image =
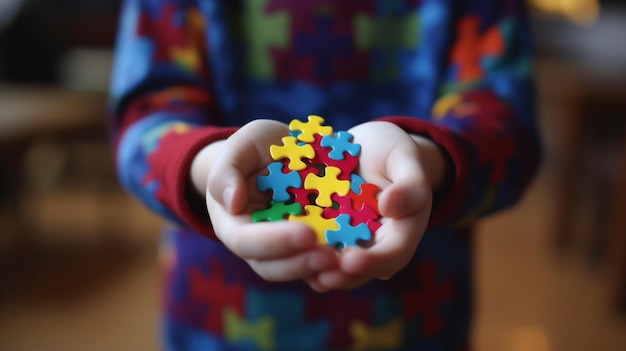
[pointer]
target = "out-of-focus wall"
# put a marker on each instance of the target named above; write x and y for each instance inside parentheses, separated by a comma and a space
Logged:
(57, 177)
(36, 36)
(581, 79)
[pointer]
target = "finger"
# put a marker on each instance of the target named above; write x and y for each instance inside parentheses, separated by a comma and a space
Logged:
(339, 279)
(385, 258)
(404, 198)
(409, 190)
(299, 266)
(336, 279)
(314, 283)
(265, 240)
(398, 241)
(244, 154)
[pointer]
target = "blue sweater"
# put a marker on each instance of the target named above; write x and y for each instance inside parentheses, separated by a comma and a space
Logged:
(190, 72)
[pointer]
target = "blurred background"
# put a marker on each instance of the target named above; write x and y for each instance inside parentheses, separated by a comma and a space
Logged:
(78, 258)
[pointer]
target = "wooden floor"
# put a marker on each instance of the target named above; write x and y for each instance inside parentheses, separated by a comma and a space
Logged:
(531, 296)
(80, 288)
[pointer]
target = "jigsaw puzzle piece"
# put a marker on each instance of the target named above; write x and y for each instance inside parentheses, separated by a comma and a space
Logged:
(277, 211)
(279, 182)
(310, 168)
(308, 130)
(374, 224)
(313, 218)
(327, 185)
(359, 215)
(355, 182)
(339, 206)
(294, 152)
(340, 143)
(347, 166)
(303, 196)
(295, 133)
(347, 234)
(367, 195)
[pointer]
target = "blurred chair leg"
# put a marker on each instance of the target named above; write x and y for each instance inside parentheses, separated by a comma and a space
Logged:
(15, 235)
(569, 179)
(617, 238)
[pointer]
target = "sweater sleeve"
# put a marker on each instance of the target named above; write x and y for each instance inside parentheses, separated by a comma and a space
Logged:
(484, 117)
(162, 109)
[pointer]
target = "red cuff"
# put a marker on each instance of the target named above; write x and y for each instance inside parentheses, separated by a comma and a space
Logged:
(172, 163)
(446, 139)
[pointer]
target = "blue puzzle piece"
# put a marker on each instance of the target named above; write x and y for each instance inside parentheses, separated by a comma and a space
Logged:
(347, 235)
(340, 144)
(278, 182)
(355, 183)
(295, 133)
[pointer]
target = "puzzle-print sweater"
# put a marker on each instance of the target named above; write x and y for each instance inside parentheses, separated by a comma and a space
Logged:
(190, 72)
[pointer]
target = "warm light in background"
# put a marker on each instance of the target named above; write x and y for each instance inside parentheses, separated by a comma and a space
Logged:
(529, 338)
(581, 12)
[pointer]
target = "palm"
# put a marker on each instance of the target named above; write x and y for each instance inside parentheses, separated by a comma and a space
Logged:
(245, 157)
(277, 251)
(390, 159)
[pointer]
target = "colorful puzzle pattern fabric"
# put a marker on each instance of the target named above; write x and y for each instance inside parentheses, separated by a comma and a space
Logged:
(313, 181)
(459, 71)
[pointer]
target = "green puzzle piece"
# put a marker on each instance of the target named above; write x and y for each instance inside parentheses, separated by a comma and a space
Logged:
(277, 212)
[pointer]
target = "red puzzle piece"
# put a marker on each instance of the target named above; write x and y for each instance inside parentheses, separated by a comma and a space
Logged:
(359, 215)
(348, 165)
(366, 196)
(303, 196)
(374, 225)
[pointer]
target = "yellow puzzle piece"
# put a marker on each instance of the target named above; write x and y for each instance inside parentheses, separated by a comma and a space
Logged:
(327, 185)
(294, 152)
(315, 125)
(314, 219)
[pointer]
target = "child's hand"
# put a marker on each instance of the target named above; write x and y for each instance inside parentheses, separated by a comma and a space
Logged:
(277, 251)
(393, 160)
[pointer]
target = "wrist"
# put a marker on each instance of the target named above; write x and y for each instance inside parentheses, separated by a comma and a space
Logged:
(201, 165)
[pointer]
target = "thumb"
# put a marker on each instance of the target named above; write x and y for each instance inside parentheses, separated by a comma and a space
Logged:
(243, 154)
(409, 191)
(404, 198)
(227, 187)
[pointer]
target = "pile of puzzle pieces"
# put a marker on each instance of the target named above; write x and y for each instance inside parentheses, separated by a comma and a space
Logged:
(313, 181)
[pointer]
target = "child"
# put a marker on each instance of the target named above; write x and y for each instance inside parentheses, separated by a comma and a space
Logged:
(437, 92)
